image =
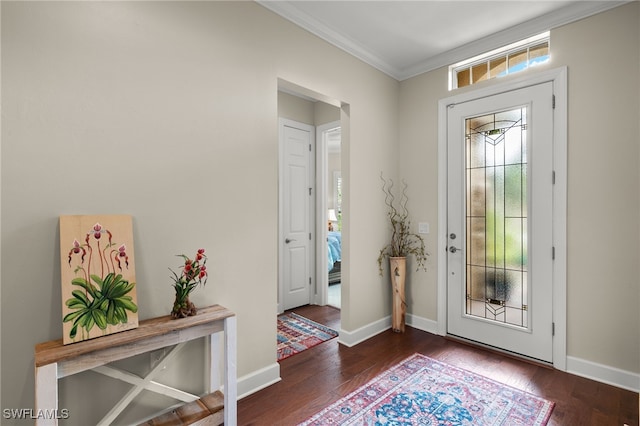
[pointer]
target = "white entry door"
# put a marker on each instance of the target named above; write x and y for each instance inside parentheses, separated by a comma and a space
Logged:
(500, 220)
(296, 214)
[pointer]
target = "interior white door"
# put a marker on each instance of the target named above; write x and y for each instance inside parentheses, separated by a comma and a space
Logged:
(297, 244)
(500, 221)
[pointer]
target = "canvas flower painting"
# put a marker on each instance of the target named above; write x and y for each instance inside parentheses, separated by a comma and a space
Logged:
(98, 276)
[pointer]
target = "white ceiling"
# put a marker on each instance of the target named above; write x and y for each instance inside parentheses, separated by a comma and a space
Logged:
(406, 38)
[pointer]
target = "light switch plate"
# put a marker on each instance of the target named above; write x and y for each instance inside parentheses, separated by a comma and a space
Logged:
(423, 228)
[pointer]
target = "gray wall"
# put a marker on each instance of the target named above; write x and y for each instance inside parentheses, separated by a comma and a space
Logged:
(167, 111)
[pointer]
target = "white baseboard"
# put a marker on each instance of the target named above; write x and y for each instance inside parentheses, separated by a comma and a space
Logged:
(604, 373)
(258, 380)
(424, 324)
(352, 338)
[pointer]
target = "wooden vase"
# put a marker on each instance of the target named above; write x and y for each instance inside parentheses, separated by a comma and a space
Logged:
(398, 272)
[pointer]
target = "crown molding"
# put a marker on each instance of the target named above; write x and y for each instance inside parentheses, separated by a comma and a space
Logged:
(566, 15)
(288, 11)
(574, 12)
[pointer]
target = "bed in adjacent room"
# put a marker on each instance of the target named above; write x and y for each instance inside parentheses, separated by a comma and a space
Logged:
(334, 243)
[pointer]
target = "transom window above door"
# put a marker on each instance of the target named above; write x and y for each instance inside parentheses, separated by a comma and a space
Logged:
(506, 60)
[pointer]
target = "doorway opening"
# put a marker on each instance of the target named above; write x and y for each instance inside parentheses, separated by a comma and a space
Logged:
(329, 148)
(325, 191)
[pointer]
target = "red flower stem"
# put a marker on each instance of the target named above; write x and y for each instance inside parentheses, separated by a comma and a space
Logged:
(113, 266)
(101, 261)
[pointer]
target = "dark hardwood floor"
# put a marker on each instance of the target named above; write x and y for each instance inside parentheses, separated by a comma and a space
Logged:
(315, 378)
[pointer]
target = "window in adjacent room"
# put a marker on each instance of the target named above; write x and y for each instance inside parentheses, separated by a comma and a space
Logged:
(500, 62)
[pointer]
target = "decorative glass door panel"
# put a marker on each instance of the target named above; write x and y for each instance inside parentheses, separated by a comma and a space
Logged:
(496, 206)
(499, 220)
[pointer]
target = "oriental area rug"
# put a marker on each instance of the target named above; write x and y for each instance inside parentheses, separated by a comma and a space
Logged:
(423, 391)
(297, 333)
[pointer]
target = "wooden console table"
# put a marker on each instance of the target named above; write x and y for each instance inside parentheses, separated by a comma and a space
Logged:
(53, 360)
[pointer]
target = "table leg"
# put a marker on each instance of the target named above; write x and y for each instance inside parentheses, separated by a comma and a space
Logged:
(46, 395)
(230, 379)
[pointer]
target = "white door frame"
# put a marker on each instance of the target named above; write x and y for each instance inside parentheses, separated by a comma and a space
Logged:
(282, 122)
(321, 296)
(558, 77)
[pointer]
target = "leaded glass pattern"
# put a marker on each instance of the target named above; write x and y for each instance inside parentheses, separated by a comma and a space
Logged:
(496, 215)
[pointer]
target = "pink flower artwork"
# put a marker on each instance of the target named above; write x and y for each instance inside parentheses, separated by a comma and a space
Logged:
(98, 276)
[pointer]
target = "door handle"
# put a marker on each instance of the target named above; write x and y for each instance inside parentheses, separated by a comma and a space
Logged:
(454, 249)
(287, 240)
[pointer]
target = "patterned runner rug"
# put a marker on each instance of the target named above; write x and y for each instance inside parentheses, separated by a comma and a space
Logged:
(423, 391)
(297, 333)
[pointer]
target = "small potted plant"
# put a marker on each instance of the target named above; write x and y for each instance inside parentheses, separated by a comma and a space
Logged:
(403, 243)
(194, 273)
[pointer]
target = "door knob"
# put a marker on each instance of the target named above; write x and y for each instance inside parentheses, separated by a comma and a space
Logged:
(453, 249)
(287, 240)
